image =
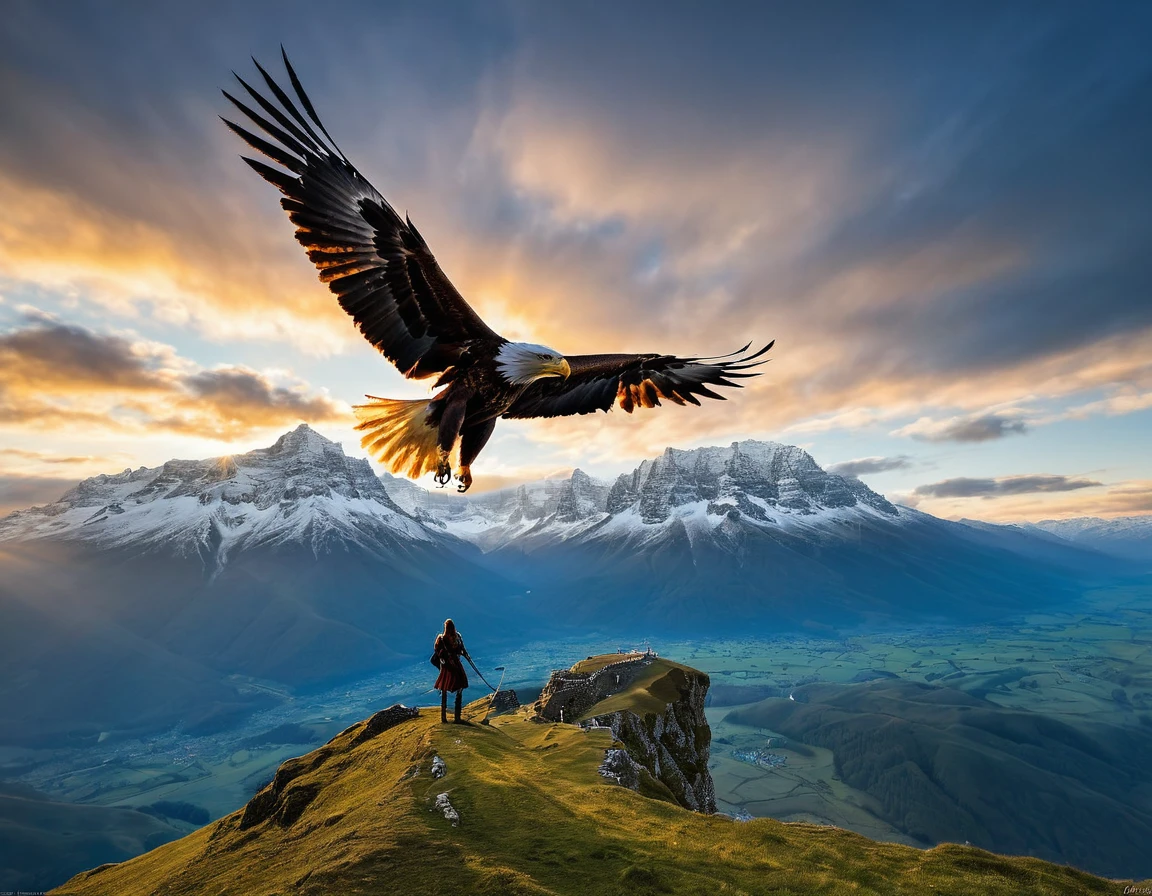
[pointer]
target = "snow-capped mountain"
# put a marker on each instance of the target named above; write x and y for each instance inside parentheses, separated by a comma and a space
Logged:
(751, 534)
(779, 486)
(1128, 537)
(760, 479)
(158, 594)
(303, 491)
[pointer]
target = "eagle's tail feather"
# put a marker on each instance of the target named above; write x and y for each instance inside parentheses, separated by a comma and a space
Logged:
(397, 434)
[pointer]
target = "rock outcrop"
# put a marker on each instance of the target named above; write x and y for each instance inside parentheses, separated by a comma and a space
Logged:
(444, 806)
(385, 719)
(505, 701)
(570, 692)
(656, 716)
(621, 768)
(671, 745)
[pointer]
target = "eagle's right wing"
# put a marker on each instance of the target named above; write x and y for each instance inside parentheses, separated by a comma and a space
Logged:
(377, 264)
(599, 381)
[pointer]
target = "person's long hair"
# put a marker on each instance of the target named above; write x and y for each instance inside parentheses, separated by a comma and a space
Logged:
(449, 635)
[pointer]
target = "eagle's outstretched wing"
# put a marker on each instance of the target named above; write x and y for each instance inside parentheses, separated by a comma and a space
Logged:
(599, 381)
(376, 263)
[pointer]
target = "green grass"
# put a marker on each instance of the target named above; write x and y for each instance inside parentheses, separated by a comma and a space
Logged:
(595, 663)
(536, 818)
(656, 687)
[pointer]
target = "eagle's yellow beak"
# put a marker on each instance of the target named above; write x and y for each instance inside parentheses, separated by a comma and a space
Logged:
(560, 368)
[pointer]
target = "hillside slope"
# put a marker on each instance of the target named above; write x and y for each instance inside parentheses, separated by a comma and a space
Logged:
(946, 765)
(523, 810)
(37, 832)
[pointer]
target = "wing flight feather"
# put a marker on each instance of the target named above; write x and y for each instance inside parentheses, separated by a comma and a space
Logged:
(599, 381)
(377, 263)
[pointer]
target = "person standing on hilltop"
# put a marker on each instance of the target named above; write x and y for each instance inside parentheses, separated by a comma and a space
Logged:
(448, 649)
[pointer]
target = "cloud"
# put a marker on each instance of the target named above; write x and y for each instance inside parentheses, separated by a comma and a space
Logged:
(54, 376)
(976, 428)
(18, 492)
(1123, 401)
(218, 282)
(964, 487)
(1124, 498)
(947, 308)
(862, 466)
(1117, 499)
(41, 457)
(241, 394)
(49, 353)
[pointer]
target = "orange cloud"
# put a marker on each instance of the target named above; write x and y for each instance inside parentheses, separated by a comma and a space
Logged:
(18, 491)
(1116, 499)
(55, 376)
(232, 278)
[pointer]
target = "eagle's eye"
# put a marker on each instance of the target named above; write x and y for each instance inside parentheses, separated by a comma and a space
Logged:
(544, 357)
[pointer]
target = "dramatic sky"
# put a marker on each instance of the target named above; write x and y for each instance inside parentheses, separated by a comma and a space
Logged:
(942, 213)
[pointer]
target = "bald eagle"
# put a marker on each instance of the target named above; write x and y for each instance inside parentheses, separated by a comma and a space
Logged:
(385, 277)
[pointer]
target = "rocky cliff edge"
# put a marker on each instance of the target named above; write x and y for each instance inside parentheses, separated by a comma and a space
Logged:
(654, 709)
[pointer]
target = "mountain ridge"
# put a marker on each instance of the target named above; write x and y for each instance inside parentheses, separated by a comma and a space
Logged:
(1126, 537)
(767, 481)
(753, 477)
(210, 507)
(743, 529)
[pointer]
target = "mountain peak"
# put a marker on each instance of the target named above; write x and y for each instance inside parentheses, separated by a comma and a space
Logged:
(1127, 537)
(301, 488)
(766, 483)
(756, 478)
(304, 439)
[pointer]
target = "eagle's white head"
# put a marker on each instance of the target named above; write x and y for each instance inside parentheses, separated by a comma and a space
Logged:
(522, 363)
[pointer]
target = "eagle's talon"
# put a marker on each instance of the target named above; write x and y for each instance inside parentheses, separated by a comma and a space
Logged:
(464, 477)
(443, 469)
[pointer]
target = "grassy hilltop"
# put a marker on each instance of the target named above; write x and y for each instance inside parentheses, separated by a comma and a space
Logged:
(535, 818)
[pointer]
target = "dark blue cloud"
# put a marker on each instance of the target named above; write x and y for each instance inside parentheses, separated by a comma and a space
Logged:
(976, 428)
(1038, 483)
(1039, 145)
(865, 466)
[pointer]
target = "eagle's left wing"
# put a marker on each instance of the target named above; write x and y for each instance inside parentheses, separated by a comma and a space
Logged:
(377, 263)
(599, 381)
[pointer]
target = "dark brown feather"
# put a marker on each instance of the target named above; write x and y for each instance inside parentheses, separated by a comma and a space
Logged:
(377, 263)
(599, 381)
